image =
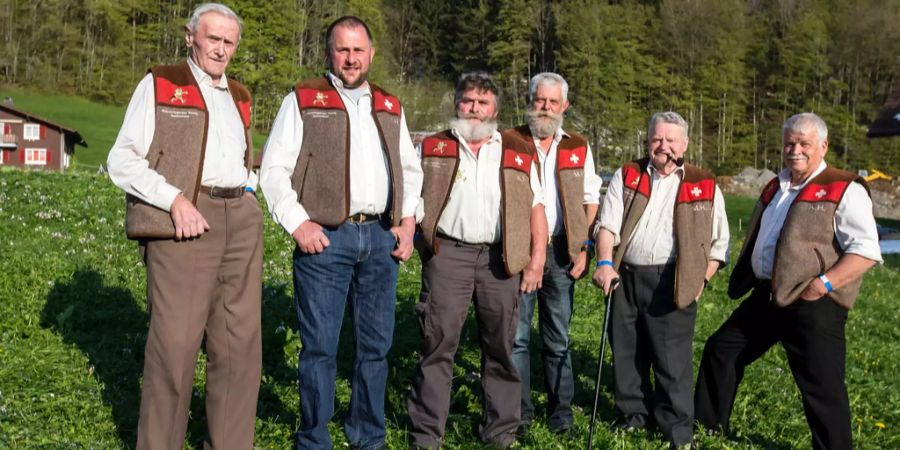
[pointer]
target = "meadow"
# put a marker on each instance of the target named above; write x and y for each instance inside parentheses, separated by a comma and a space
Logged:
(74, 321)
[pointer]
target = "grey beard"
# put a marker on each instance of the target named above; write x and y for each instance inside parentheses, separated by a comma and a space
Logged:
(544, 125)
(473, 131)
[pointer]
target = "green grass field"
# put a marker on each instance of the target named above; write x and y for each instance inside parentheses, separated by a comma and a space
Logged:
(73, 320)
(98, 123)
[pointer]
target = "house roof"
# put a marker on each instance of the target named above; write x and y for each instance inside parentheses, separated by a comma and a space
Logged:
(74, 134)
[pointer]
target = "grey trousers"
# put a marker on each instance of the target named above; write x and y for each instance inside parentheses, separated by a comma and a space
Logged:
(647, 331)
(449, 281)
(209, 287)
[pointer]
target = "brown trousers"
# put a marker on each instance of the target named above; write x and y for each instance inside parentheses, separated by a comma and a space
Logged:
(206, 287)
(449, 280)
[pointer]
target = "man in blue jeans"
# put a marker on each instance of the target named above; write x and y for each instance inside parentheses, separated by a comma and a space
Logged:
(341, 176)
(572, 190)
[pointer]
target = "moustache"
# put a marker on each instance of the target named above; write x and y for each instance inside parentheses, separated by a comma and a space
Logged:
(468, 116)
(796, 157)
(671, 158)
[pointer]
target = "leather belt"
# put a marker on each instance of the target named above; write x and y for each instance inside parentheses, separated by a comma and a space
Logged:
(222, 192)
(362, 217)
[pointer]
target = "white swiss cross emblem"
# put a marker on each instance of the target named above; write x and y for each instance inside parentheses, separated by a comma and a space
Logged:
(574, 159)
(820, 193)
(439, 148)
(518, 160)
(696, 191)
(388, 105)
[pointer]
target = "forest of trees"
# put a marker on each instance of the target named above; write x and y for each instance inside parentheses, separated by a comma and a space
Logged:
(735, 69)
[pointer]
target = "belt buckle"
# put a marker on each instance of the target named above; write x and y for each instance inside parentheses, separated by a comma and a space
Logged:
(216, 192)
(357, 218)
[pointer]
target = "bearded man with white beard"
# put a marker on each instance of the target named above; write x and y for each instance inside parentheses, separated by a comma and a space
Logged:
(484, 239)
(572, 191)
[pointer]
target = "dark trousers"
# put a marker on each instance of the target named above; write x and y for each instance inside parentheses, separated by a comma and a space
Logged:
(208, 288)
(553, 302)
(812, 334)
(449, 281)
(647, 330)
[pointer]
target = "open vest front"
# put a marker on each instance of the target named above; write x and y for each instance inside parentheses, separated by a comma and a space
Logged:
(321, 176)
(178, 148)
(807, 245)
(440, 162)
(692, 223)
(571, 154)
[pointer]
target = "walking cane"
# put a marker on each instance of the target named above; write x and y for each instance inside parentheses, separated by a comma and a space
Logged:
(612, 288)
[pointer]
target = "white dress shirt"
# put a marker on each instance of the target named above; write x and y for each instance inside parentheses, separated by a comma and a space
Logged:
(369, 172)
(653, 239)
(854, 224)
(473, 211)
(592, 182)
(226, 145)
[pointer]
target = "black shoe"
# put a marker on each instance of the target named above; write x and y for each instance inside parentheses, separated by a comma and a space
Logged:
(629, 424)
(566, 431)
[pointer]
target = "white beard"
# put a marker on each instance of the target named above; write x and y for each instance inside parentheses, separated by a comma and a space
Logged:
(473, 131)
(544, 124)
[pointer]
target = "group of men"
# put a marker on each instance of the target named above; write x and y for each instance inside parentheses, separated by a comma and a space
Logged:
(505, 218)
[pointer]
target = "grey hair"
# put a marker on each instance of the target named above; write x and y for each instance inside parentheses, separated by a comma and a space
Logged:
(667, 117)
(216, 8)
(798, 123)
(479, 80)
(551, 79)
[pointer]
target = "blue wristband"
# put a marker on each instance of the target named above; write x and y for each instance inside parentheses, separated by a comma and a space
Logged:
(827, 282)
(249, 189)
(604, 262)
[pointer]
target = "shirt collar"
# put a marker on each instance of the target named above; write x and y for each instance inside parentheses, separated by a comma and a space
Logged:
(784, 177)
(339, 84)
(204, 79)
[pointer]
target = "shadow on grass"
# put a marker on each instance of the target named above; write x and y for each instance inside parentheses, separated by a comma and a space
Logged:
(277, 317)
(106, 323)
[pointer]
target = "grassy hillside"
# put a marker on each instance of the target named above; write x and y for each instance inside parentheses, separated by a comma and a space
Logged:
(73, 325)
(98, 123)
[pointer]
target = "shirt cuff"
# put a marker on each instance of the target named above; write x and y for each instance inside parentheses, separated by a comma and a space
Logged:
(413, 207)
(293, 219)
(866, 252)
(166, 196)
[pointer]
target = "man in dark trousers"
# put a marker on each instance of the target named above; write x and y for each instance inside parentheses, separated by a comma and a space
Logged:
(572, 190)
(810, 239)
(663, 232)
(341, 176)
(484, 233)
(183, 156)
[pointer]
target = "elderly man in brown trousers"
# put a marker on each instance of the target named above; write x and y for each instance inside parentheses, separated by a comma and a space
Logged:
(183, 157)
(810, 239)
(485, 234)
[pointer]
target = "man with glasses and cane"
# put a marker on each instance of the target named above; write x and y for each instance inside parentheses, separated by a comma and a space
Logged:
(663, 232)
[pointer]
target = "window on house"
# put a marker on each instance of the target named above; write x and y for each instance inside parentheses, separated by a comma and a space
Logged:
(31, 132)
(36, 156)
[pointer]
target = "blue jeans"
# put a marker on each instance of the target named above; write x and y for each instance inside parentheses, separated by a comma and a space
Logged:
(358, 267)
(554, 301)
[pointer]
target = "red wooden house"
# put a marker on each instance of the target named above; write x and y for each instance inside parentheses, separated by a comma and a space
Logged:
(33, 142)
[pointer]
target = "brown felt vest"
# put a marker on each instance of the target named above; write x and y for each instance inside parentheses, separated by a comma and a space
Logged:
(571, 153)
(692, 222)
(807, 245)
(440, 162)
(179, 145)
(322, 174)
